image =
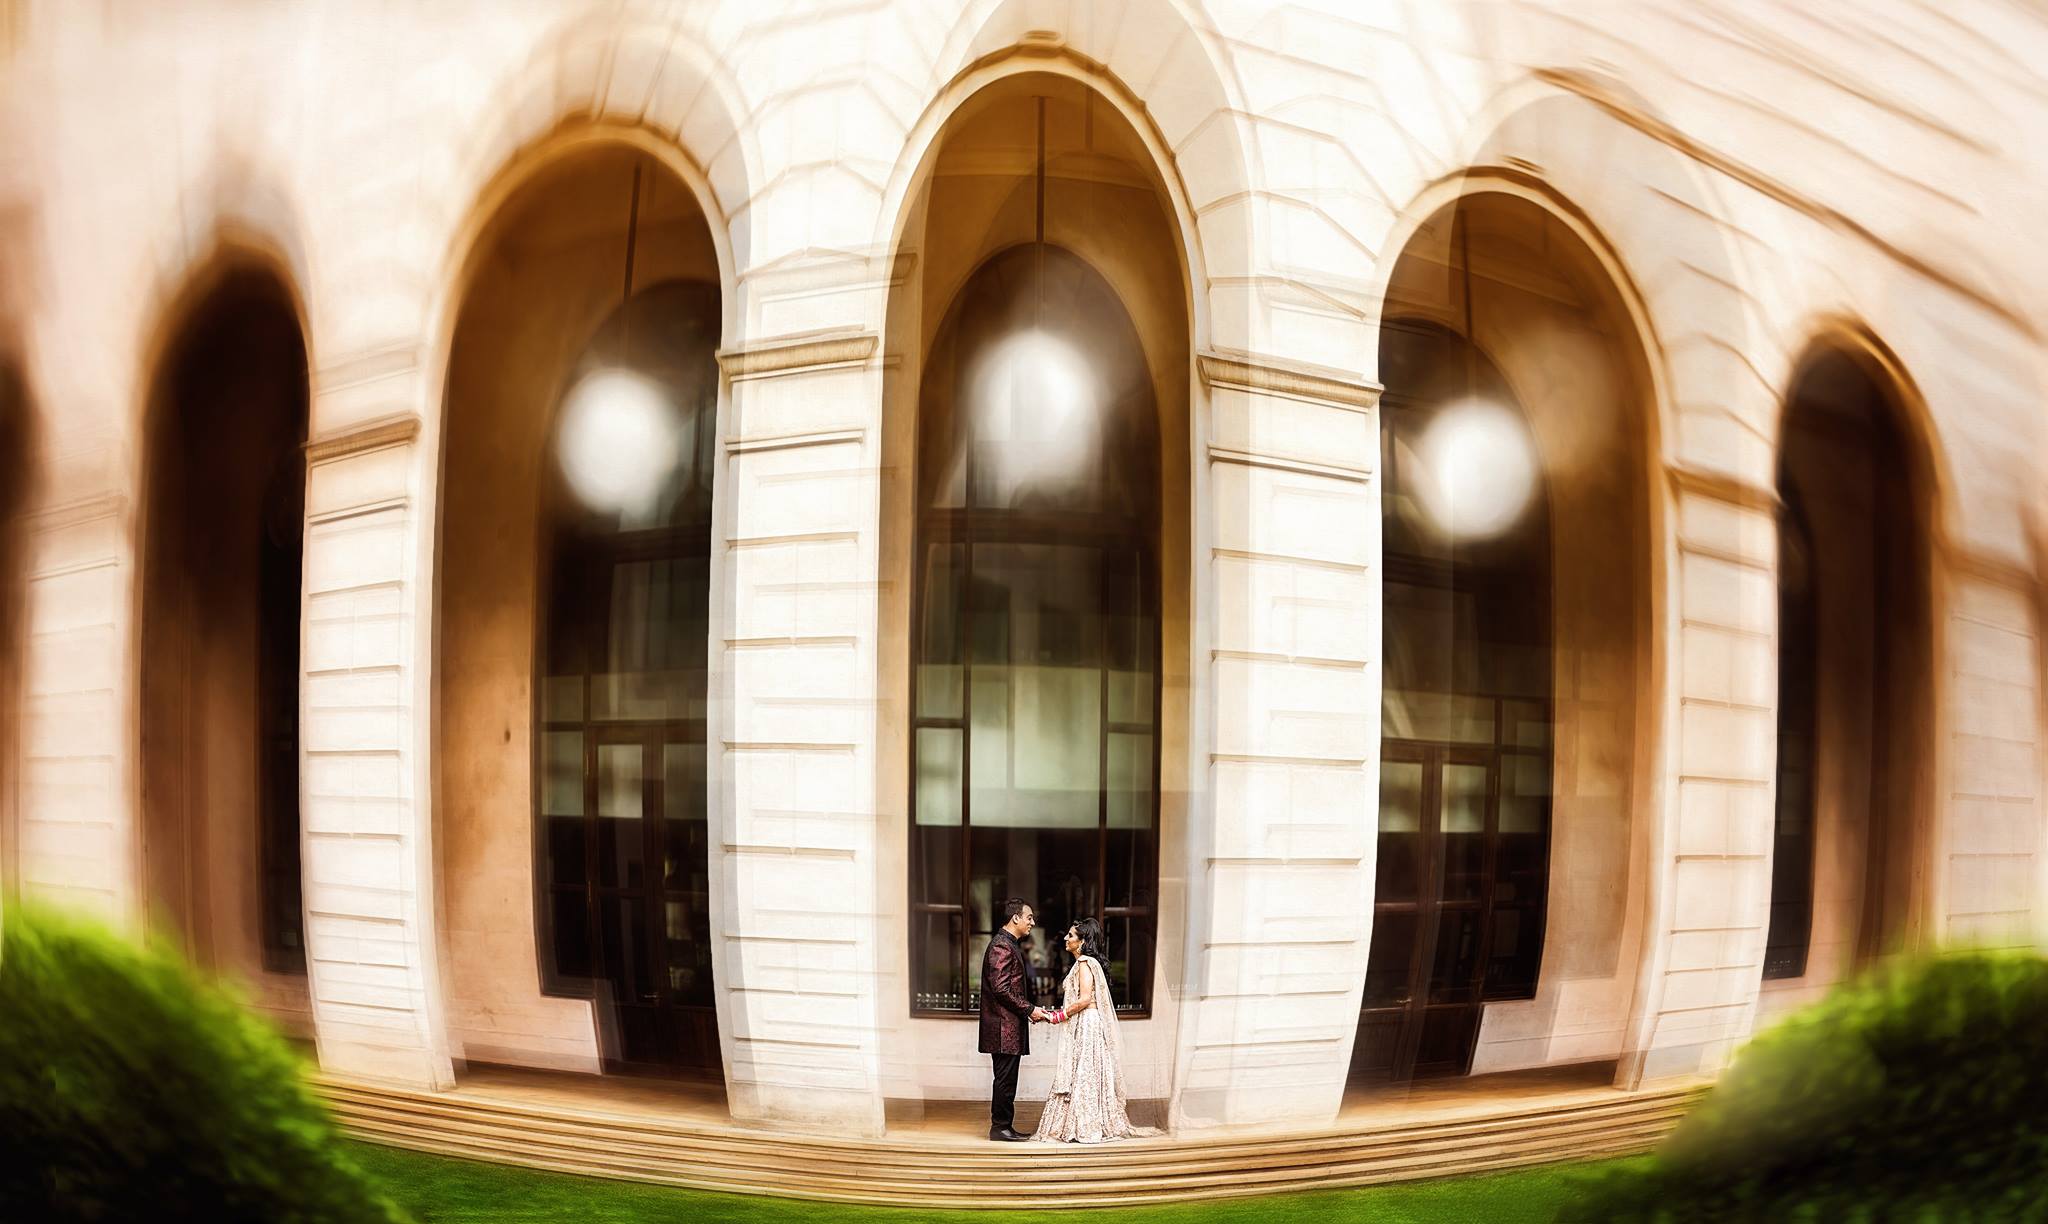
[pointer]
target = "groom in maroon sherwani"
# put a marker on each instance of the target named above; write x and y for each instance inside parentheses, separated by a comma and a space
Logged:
(1006, 1014)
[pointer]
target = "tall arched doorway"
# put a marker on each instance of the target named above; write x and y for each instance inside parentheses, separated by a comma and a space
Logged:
(1035, 553)
(1509, 873)
(1855, 643)
(223, 540)
(14, 491)
(573, 613)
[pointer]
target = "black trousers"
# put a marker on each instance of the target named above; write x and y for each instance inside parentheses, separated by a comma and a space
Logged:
(1002, 1103)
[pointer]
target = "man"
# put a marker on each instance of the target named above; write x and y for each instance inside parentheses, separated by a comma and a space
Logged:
(1006, 1015)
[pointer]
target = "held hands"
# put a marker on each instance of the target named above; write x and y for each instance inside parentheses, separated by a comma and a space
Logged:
(1038, 1015)
(1041, 1016)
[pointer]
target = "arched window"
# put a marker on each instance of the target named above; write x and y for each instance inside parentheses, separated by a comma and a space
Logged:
(1036, 643)
(221, 577)
(1465, 720)
(621, 704)
(1790, 932)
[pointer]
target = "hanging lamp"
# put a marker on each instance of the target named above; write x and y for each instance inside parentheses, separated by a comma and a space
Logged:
(620, 436)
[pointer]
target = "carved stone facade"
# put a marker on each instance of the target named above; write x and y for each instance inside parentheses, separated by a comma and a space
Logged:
(1679, 209)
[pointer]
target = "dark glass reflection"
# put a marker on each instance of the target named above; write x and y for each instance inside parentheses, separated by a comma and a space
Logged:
(1464, 815)
(1035, 752)
(621, 728)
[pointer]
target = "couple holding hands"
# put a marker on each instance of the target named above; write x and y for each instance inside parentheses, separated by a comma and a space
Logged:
(1087, 1104)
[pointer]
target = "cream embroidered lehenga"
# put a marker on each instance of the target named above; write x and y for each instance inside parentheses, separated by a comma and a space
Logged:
(1087, 1102)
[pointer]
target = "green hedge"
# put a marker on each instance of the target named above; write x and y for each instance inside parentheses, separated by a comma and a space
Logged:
(1919, 1091)
(130, 1091)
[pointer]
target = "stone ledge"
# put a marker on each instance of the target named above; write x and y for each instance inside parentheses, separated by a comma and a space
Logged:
(1294, 379)
(371, 435)
(798, 354)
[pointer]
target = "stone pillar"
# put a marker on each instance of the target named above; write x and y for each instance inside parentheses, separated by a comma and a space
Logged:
(1280, 863)
(76, 796)
(1986, 845)
(371, 956)
(793, 854)
(1710, 860)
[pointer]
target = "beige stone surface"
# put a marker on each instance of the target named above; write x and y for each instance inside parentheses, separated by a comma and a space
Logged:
(1741, 183)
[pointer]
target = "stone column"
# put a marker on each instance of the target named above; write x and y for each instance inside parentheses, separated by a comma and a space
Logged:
(371, 955)
(76, 796)
(793, 855)
(1280, 864)
(1710, 859)
(1985, 874)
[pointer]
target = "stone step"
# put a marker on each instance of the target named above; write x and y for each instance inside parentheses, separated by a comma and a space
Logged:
(971, 1193)
(1015, 1163)
(738, 1138)
(949, 1173)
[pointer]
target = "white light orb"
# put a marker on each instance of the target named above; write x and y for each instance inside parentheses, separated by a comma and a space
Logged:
(620, 440)
(1036, 393)
(1480, 469)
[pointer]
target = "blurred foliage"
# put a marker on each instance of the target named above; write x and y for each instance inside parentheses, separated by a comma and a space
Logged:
(1916, 1092)
(131, 1091)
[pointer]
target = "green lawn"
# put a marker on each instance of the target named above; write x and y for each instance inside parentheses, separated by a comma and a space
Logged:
(442, 1191)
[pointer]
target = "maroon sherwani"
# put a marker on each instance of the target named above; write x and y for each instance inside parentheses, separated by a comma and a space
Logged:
(1005, 1023)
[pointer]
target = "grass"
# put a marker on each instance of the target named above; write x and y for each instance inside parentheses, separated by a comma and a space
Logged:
(438, 1190)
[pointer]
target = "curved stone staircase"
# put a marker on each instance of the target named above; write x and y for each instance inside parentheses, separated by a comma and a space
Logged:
(929, 1172)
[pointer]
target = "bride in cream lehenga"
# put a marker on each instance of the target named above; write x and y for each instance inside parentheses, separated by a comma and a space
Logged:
(1087, 1104)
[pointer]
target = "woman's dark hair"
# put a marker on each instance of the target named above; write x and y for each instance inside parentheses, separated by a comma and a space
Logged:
(1093, 942)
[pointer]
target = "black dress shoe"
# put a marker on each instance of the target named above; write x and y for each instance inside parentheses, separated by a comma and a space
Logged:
(1007, 1135)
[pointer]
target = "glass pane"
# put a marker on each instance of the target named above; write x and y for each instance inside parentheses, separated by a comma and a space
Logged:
(1036, 747)
(625, 938)
(655, 642)
(935, 864)
(1130, 781)
(1129, 961)
(620, 794)
(1130, 633)
(939, 655)
(1399, 872)
(1035, 686)
(1453, 976)
(562, 699)
(566, 860)
(1442, 717)
(569, 928)
(687, 950)
(1055, 870)
(1131, 843)
(938, 776)
(685, 834)
(935, 962)
(1388, 964)
(1038, 409)
(561, 763)
(1513, 958)
(1464, 829)
(1527, 724)
(1524, 793)
(682, 781)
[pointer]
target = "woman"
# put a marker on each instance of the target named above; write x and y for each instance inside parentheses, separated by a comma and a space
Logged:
(1087, 1101)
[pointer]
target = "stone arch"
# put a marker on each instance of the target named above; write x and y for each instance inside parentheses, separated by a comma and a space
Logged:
(1157, 281)
(1864, 519)
(1549, 270)
(655, 84)
(220, 548)
(500, 383)
(1164, 72)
